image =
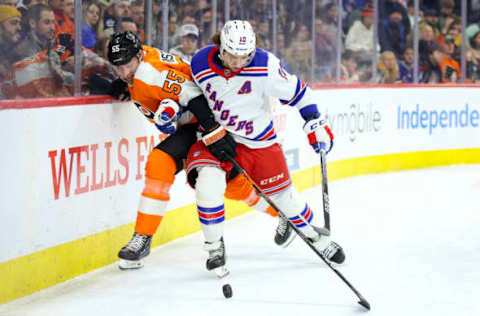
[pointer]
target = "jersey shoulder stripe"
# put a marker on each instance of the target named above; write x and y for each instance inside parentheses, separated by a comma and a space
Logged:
(300, 90)
(260, 59)
(258, 67)
(199, 61)
(211, 75)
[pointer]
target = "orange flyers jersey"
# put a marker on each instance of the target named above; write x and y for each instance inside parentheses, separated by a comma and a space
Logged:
(450, 70)
(162, 76)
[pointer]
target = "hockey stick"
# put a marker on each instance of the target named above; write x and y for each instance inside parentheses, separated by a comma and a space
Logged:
(326, 200)
(362, 301)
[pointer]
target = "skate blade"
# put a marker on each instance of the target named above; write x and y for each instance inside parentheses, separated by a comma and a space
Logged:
(130, 264)
(289, 240)
(221, 272)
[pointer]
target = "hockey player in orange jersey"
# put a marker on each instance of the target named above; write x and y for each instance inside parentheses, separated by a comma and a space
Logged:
(161, 87)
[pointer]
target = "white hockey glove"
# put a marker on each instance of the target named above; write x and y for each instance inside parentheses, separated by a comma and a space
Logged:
(166, 116)
(319, 134)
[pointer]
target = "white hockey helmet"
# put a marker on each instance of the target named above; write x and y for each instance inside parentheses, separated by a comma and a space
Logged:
(238, 38)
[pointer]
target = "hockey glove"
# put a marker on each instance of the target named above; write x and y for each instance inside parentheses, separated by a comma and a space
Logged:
(119, 90)
(319, 134)
(165, 118)
(220, 143)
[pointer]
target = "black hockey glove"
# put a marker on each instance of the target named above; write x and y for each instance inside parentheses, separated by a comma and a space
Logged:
(220, 143)
(119, 90)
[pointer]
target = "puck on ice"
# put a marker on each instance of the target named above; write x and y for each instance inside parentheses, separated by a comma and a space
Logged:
(227, 290)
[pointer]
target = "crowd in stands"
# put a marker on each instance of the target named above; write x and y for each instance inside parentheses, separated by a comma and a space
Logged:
(37, 39)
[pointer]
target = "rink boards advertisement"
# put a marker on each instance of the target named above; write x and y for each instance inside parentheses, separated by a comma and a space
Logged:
(72, 174)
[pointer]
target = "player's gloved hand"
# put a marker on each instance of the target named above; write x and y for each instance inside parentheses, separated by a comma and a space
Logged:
(220, 143)
(319, 134)
(119, 90)
(165, 118)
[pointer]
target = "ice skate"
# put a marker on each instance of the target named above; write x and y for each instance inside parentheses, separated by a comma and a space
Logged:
(329, 249)
(216, 258)
(132, 254)
(284, 233)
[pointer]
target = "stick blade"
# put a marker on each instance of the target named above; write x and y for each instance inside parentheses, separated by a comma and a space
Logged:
(364, 303)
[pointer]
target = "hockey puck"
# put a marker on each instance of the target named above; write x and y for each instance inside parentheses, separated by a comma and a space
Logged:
(227, 290)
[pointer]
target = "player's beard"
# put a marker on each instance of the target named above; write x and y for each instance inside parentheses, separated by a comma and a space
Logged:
(129, 78)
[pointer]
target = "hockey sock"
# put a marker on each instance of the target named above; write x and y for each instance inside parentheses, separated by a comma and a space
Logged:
(159, 177)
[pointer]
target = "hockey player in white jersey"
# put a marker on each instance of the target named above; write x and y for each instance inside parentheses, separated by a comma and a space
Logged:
(237, 79)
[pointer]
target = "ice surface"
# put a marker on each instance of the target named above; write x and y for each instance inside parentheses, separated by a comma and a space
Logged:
(412, 241)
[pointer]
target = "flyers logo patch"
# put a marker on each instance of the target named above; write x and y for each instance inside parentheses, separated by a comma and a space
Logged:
(145, 111)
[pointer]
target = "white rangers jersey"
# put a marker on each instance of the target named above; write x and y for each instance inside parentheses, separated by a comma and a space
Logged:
(240, 101)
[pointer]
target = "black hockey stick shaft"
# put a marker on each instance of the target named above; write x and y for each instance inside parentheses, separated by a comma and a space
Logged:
(260, 192)
(326, 200)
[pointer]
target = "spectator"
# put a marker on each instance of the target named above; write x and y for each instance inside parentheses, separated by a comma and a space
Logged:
(451, 22)
(475, 46)
(473, 10)
(69, 9)
(299, 58)
(188, 19)
(448, 65)
(23, 7)
(447, 15)
(254, 25)
(453, 37)
(353, 10)
(92, 26)
(426, 32)
(263, 35)
(41, 32)
(280, 46)
(12, 3)
(127, 24)
(41, 74)
(430, 16)
(330, 18)
(392, 33)
(101, 46)
(405, 66)
(473, 68)
(187, 8)
(10, 27)
(171, 35)
(430, 71)
(453, 34)
(138, 16)
(387, 6)
(411, 13)
(156, 15)
(63, 24)
(325, 49)
(388, 68)
(204, 16)
(425, 43)
(348, 68)
(115, 12)
(188, 35)
(360, 35)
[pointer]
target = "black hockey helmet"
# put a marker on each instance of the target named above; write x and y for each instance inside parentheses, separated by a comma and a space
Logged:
(123, 47)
